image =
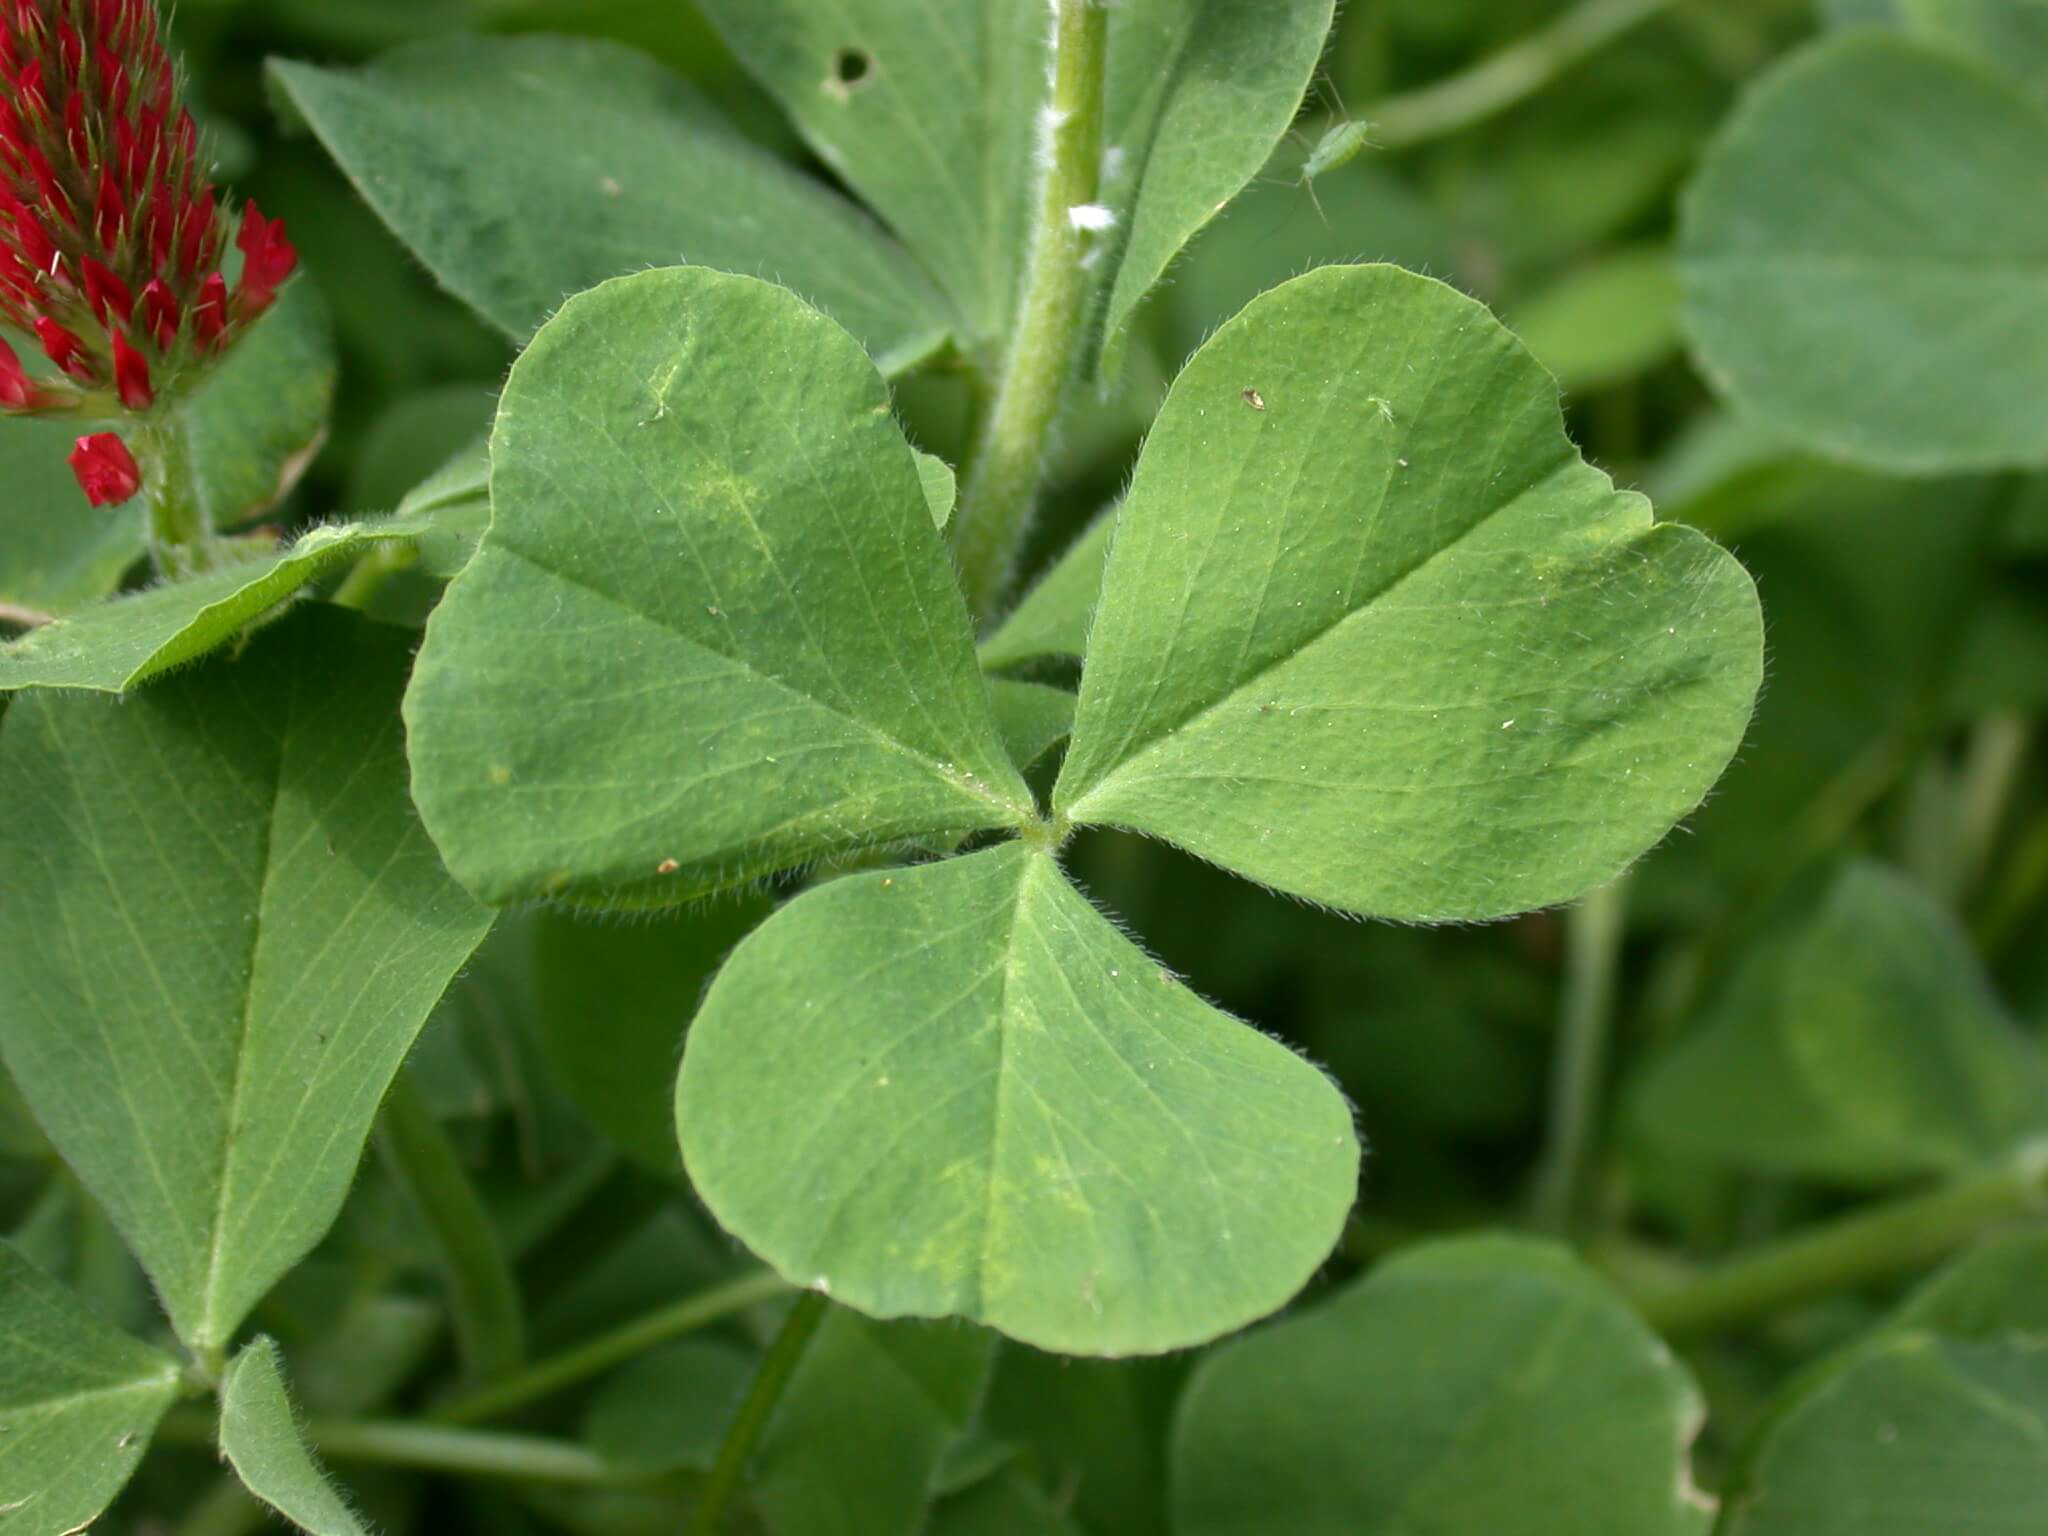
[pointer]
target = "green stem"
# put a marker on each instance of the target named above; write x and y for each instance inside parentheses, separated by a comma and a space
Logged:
(1008, 464)
(777, 1366)
(1891, 1239)
(613, 1348)
(1513, 75)
(1593, 935)
(180, 533)
(427, 1448)
(1991, 771)
(490, 1329)
(367, 577)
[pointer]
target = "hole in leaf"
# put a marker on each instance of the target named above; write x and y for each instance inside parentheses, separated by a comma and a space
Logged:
(852, 68)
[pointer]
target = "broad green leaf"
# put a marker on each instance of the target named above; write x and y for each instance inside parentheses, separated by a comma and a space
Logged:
(1604, 322)
(123, 642)
(1993, 1291)
(855, 1446)
(254, 425)
(1911, 1436)
(1007, 1505)
(1863, 1045)
(941, 488)
(927, 111)
(78, 1403)
(1053, 618)
(2010, 35)
(1201, 93)
(261, 1440)
(1862, 256)
(1372, 633)
(638, 984)
(670, 1408)
(711, 632)
(219, 900)
(1033, 717)
(1478, 1385)
(957, 1089)
(56, 553)
(522, 170)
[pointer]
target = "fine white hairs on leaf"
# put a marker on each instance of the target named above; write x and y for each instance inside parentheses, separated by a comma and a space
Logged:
(1091, 216)
(1114, 163)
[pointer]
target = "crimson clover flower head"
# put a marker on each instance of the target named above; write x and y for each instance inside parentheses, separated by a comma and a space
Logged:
(111, 237)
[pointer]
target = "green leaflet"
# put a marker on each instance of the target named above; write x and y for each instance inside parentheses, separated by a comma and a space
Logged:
(670, 1408)
(1910, 1436)
(1864, 1045)
(191, 923)
(1606, 322)
(965, 1092)
(1053, 618)
(78, 1403)
(1201, 93)
(856, 1445)
(2010, 35)
(522, 170)
(1372, 633)
(123, 642)
(1486, 1384)
(927, 112)
(711, 632)
(1870, 278)
(261, 1440)
(1032, 717)
(941, 488)
(1989, 1293)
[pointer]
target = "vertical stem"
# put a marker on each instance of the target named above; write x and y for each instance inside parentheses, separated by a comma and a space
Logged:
(769, 1383)
(180, 535)
(1593, 934)
(490, 1328)
(1002, 484)
(1991, 770)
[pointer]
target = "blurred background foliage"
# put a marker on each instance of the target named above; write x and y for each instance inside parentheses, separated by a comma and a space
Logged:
(1908, 625)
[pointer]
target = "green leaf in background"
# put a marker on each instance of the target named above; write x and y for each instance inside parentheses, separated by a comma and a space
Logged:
(261, 1440)
(1862, 256)
(219, 899)
(56, 553)
(1913, 1435)
(1863, 1044)
(1606, 321)
(1053, 618)
(957, 1089)
(78, 1403)
(856, 1444)
(2010, 35)
(1200, 94)
(1006, 1505)
(1992, 1292)
(1032, 717)
(123, 642)
(256, 423)
(927, 111)
(1344, 653)
(669, 1409)
(711, 632)
(522, 170)
(638, 984)
(1484, 1384)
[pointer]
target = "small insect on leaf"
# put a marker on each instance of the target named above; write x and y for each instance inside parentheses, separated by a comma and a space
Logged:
(1340, 145)
(1254, 399)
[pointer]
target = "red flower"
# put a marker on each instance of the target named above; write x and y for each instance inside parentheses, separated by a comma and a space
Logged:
(110, 238)
(106, 470)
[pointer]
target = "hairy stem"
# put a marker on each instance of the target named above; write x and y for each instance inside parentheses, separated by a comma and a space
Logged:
(180, 533)
(769, 1383)
(427, 1448)
(490, 1329)
(1890, 1239)
(1003, 480)
(1593, 935)
(366, 578)
(624, 1343)
(1513, 75)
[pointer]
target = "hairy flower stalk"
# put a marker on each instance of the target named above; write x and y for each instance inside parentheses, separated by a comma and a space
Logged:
(111, 237)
